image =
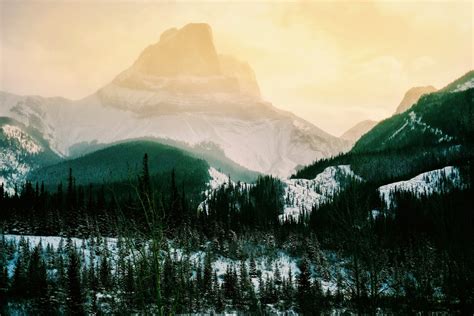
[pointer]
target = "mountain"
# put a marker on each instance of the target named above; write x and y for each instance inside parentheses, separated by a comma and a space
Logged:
(22, 149)
(412, 96)
(355, 132)
(181, 89)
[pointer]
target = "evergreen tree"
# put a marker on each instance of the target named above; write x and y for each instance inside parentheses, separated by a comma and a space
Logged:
(129, 285)
(75, 298)
(144, 181)
(305, 299)
(38, 282)
(207, 280)
(19, 283)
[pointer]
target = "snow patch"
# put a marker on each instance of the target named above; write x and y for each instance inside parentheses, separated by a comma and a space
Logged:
(302, 194)
(465, 86)
(426, 183)
(217, 178)
(26, 142)
(415, 122)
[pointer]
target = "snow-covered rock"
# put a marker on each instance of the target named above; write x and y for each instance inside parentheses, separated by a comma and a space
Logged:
(425, 183)
(302, 194)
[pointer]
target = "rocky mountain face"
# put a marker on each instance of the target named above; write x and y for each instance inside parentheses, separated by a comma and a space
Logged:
(181, 89)
(412, 96)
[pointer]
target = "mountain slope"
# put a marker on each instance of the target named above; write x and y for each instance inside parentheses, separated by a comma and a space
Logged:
(209, 152)
(123, 163)
(436, 119)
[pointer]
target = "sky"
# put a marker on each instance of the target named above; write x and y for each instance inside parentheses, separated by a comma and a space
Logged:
(333, 63)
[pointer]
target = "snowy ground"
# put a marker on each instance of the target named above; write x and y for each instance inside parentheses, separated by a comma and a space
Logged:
(265, 265)
(55, 242)
(423, 184)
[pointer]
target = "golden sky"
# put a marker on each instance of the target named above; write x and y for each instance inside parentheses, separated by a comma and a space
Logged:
(334, 63)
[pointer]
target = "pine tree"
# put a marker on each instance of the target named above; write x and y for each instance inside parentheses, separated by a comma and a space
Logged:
(247, 292)
(168, 285)
(129, 284)
(37, 281)
(253, 267)
(4, 284)
(104, 272)
(304, 288)
(75, 299)
(19, 282)
(70, 191)
(144, 181)
(218, 297)
(207, 280)
(93, 281)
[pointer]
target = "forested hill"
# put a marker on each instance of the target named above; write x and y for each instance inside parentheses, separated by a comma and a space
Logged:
(123, 162)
